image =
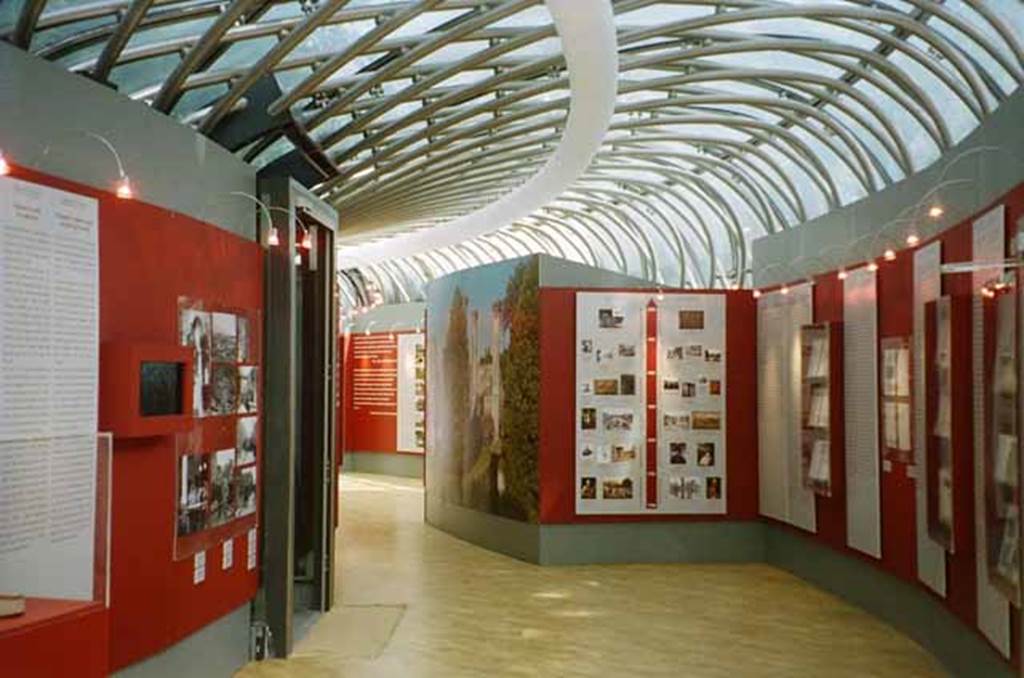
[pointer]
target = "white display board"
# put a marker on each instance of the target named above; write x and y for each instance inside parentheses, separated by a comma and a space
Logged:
(782, 494)
(931, 557)
(988, 245)
(691, 420)
(49, 330)
(611, 416)
(412, 393)
(650, 451)
(860, 395)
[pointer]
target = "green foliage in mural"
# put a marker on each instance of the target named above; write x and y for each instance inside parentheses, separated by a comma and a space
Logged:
(520, 370)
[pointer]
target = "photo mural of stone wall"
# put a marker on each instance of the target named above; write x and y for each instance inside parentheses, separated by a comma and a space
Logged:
(483, 381)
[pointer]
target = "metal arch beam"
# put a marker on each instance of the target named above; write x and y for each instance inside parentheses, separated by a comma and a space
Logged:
(325, 69)
(595, 227)
(644, 248)
(421, 50)
(575, 237)
(891, 140)
(25, 27)
(270, 58)
(194, 59)
(119, 38)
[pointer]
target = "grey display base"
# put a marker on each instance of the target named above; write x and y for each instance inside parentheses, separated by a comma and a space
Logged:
(384, 463)
(217, 650)
(911, 609)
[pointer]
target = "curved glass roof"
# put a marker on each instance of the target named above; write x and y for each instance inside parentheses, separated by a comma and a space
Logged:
(734, 119)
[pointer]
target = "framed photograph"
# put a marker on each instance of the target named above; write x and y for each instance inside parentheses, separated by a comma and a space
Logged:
(706, 421)
(688, 389)
(244, 340)
(222, 500)
(586, 346)
(691, 320)
(670, 385)
(677, 452)
(245, 440)
(621, 453)
(588, 418)
(676, 421)
(713, 355)
(695, 350)
(247, 391)
(604, 387)
(610, 318)
(627, 350)
(223, 391)
(714, 487)
(225, 337)
(588, 487)
(617, 420)
(245, 492)
(674, 353)
(617, 488)
(193, 493)
(705, 454)
(627, 384)
(587, 452)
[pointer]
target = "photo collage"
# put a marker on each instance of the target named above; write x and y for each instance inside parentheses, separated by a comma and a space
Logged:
(225, 372)
(691, 403)
(611, 422)
(219, 486)
(412, 393)
(215, 488)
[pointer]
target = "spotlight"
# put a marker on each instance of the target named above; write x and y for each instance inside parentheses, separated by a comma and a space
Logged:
(757, 294)
(661, 295)
(873, 266)
(272, 238)
(298, 259)
(841, 275)
(936, 211)
(912, 240)
(784, 290)
(307, 240)
(124, 189)
(890, 255)
(5, 167)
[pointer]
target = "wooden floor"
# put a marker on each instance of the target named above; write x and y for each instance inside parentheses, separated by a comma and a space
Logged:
(416, 602)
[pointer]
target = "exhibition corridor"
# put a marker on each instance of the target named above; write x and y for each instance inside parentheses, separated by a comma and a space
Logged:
(416, 602)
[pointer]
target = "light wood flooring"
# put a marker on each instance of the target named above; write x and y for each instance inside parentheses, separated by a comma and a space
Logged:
(415, 602)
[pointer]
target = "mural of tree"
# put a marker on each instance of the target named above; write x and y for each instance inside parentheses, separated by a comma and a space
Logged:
(520, 373)
(456, 369)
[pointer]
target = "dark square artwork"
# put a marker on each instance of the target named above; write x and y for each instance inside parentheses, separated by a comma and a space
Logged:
(160, 389)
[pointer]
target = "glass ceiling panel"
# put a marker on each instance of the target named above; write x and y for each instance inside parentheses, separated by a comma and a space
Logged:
(753, 109)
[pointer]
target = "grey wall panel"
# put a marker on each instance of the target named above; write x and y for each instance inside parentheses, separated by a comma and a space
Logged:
(47, 110)
(217, 650)
(510, 537)
(557, 272)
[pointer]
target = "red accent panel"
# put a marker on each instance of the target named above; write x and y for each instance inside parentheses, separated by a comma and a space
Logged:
(558, 398)
(831, 511)
(120, 409)
(898, 500)
(55, 638)
(148, 258)
(651, 327)
(370, 429)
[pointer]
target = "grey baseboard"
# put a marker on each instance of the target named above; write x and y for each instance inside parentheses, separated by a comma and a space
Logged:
(217, 650)
(384, 463)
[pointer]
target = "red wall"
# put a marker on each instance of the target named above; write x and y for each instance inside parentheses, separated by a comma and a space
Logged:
(148, 258)
(557, 411)
(54, 639)
(895, 318)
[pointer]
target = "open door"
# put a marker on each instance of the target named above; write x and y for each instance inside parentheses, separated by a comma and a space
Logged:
(299, 493)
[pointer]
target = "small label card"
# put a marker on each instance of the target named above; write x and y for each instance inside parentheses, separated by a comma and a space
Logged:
(227, 554)
(199, 568)
(250, 551)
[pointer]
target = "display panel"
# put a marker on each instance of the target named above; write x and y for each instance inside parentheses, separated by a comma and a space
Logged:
(412, 393)
(1002, 448)
(816, 407)
(650, 404)
(49, 319)
(896, 400)
(939, 421)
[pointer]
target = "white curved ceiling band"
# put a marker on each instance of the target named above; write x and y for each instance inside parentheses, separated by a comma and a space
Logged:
(591, 52)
